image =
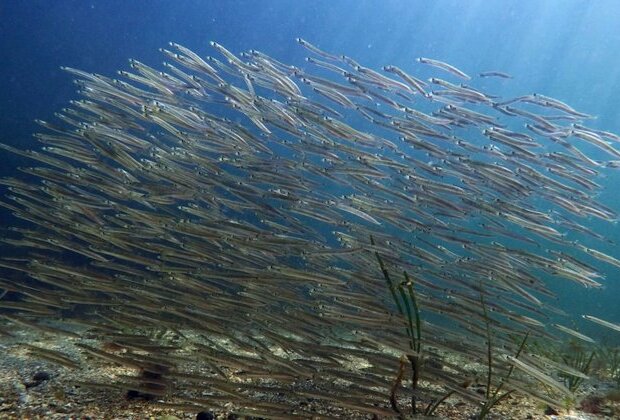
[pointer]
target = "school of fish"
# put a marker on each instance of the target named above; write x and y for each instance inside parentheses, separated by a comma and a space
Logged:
(240, 204)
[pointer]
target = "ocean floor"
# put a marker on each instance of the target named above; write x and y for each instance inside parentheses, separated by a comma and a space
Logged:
(37, 389)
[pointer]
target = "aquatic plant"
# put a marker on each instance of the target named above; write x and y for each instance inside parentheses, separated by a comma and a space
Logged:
(579, 360)
(412, 315)
(492, 398)
(608, 362)
(573, 360)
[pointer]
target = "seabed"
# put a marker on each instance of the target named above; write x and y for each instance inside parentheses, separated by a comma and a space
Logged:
(22, 397)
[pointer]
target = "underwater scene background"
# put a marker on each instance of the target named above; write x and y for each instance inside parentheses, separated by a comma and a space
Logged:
(446, 193)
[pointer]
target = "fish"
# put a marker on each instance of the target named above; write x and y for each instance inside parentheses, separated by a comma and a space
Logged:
(444, 66)
(499, 74)
(610, 325)
(541, 376)
(316, 50)
(574, 333)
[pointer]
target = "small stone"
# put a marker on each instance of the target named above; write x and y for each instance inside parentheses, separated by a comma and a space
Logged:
(137, 395)
(205, 415)
(550, 411)
(41, 376)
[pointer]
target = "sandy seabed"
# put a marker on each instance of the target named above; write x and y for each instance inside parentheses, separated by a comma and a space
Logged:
(22, 397)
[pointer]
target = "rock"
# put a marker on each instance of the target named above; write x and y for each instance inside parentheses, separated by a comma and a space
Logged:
(550, 411)
(41, 376)
(37, 379)
(132, 394)
(592, 404)
(205, 415)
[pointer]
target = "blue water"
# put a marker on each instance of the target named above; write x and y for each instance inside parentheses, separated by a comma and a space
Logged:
(562, 48)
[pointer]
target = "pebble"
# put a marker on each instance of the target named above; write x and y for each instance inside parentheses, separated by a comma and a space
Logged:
(41, 376)
(205, 415)
(550, 411)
